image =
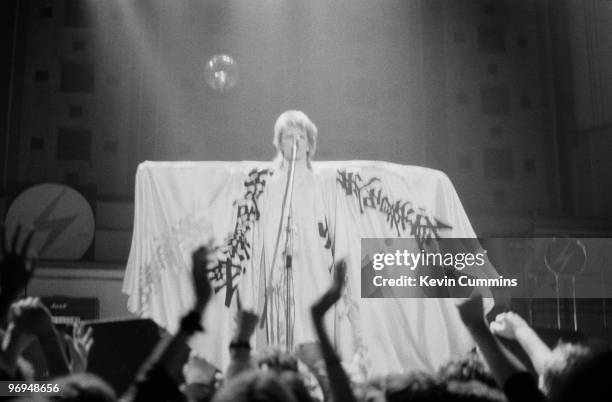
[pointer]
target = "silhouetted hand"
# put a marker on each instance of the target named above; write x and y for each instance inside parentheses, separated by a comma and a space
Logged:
(16, 267)
(31, 316)
(507, 324)
(340, 388)
(203, 290)
(332, 295)
(246, 322)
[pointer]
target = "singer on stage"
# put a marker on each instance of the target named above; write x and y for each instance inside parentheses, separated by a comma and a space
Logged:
(297, 259)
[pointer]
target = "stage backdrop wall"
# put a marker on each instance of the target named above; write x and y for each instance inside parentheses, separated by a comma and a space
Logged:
(461, 86)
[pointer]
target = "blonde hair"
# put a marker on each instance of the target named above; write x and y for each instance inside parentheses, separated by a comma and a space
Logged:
(295, 118)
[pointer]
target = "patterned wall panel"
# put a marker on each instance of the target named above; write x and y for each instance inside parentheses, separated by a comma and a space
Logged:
(495, 115)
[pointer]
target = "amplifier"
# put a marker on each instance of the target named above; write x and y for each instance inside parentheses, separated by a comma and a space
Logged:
(66, 310)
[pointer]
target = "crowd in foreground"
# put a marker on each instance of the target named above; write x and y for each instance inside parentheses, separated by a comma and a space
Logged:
(569, 372)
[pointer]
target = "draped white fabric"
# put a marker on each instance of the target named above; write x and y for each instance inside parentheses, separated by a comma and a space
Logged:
(180, 205)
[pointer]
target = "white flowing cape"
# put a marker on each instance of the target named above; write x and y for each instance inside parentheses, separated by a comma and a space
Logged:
(181, 205)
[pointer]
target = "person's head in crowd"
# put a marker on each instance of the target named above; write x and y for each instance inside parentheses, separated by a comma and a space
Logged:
(255, 386)
(589, 380)
(84, 387)
(296, 384)
(201, 379)
(277, 360)
(290, 126)
(314, 383)
(372, 390)
(564, 358)
(424, 387)
(467, 368)
(470, 391)
(417, 386)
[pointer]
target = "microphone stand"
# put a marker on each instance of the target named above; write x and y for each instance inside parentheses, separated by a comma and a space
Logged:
(288, 195)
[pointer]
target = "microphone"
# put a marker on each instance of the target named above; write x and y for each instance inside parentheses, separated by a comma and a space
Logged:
(294, 149)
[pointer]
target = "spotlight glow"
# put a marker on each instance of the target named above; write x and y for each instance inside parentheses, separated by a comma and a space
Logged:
(221, 73)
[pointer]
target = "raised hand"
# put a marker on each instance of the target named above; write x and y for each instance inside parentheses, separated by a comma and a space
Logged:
(332, 295)
(246, 323)
(79, 346)
(507, 324)
(16, 267)
(31, 316)
(203, 290)
(340, 388)
(472, 312)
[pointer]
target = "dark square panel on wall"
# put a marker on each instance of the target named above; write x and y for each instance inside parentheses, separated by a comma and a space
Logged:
(489, 9)
(110, 146)
(73, 145)
(459, 37)
(497, 164)
(77, 77)
(495, 100)
(45, 12)
(37, 143)
(491, 39)
(41, 76)
(75, 111)
(496, 131)
(112, 80)
(525, 102)
(78, 45)
(79, 13)
(71, 179)
(529, 165)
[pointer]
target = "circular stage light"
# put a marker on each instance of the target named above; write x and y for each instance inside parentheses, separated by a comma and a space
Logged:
(62, 219)
(221, 72)
(565, 256)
